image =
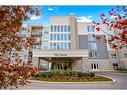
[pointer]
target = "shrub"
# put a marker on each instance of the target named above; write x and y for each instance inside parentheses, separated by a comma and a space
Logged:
(85, 74)
(42, 74)
(92, 74)
(64, 73)
(79, 74)
(121, 69)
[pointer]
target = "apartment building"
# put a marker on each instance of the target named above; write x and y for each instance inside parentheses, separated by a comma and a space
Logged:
(66, 43)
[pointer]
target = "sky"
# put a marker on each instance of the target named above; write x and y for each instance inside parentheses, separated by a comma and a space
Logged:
(83, 13)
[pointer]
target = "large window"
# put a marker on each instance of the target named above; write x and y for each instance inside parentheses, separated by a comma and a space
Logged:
(90, 28)
(92, 45)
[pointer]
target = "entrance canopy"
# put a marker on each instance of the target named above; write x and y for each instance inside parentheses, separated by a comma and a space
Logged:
(60, 53)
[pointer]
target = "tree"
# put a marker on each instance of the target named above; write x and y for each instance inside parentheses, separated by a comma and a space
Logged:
(11, 20)
(117, 20)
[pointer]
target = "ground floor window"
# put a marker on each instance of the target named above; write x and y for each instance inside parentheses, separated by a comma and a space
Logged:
(115, 65)
(94, 66)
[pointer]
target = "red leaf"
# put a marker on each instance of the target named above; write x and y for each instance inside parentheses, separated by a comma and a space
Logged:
(102, 14)
(98, 29)
(114, 46)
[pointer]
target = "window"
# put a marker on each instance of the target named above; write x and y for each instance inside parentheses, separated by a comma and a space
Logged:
(125, 54)
(64, 45)
(115, 65)
(90, 54)
(113, 55)
(54, 45)
(69, 45)
(91, 38)
(94, 66)
(45, 32)
(58, 45)
(93, 54)
(90, 28)
(38, 40)
(58, 28)
(69, 36)
(55, 37)
(69, 29)
(65, 36)
(58, 36)
(65, 29)
(61, 28)
(46, 47)
(51, 28)
(54, 28)
(126, 46)
(51, 37)
(92, 45)
(61, 45)
(50, 45)
(61, 36)
(36, 47)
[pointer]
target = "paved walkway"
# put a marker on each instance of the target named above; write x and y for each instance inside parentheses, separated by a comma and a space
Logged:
(120, 83)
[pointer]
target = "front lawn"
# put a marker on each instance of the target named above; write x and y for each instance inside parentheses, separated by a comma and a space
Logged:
(70, 76)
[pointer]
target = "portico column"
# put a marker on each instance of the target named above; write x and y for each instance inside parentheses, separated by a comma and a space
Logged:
(50, 66)
(81, 64)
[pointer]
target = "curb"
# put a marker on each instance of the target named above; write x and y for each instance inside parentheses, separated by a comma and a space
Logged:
(113, 80)
(102, 82)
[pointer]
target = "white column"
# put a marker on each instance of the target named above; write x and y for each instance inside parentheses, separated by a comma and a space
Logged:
(49, 66)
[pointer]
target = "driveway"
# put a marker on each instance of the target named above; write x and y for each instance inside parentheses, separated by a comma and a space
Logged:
(120, 83)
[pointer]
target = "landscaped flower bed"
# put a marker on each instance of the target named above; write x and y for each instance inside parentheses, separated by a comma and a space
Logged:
(70, 76)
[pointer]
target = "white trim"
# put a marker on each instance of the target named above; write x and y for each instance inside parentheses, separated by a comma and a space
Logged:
(122, 59)
(60, 53)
